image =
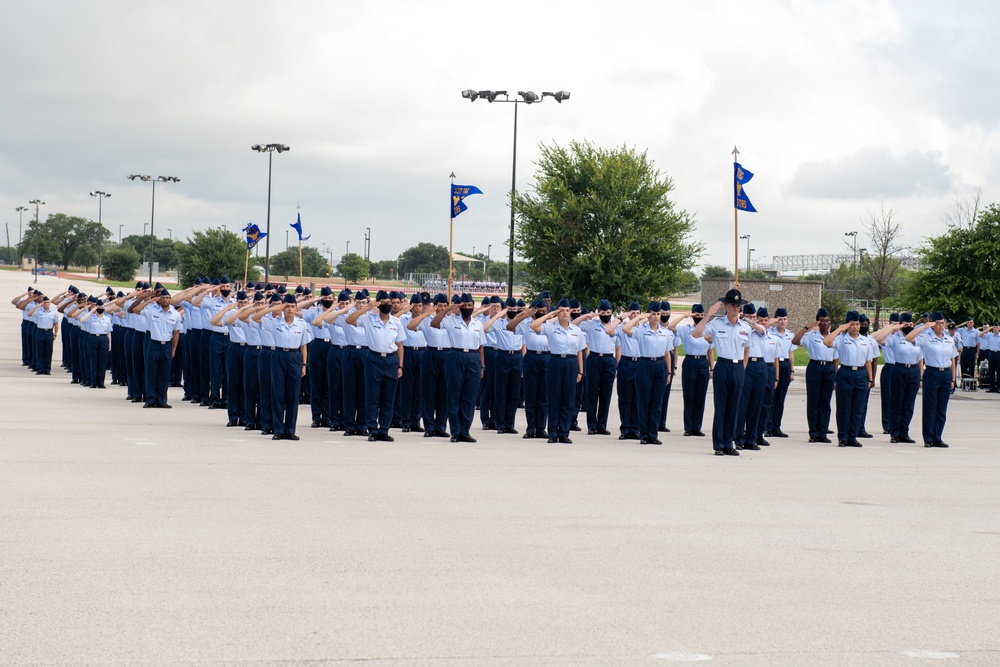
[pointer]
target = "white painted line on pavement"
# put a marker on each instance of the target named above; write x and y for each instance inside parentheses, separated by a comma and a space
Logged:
(683, 657)
(933, 655)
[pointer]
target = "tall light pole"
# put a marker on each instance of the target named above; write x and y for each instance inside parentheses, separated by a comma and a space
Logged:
(101, 196)
(854, 262)
(368, 244)
(749, 250)
(346, 253)
(270, 149)
(20, 218)
(489, 247)
(120, 233)
(527, 97)
(746, 237)
(38, 229)
(170, 234)
(152, 210)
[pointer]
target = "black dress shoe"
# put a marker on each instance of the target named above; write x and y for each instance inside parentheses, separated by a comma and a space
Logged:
(277, 437)
(250, 427)
(557, 440)
(396, 425)
(75, 382)
(655, 441)
(454, 438)
(719, 452)
(894, 440)
(575, 428)
(440, 434)
(406, 429)
(137, 400)
(751, 446)
(386, 438)
(829, 431)
(466, 438)
(167, 406)
(886, 431)
(566, 441)
(528, 435)
(663, 429)
(700, 434)
(864, 434)
(316, 424)
(428, 434)
(291, 436)
(325, 423)
(147, 405)
(603, 431)
(372, 438)
(761, 442)
(96, 386)
(908, 440)
(623, 436)
(416, 429)
(779, 434)
(848, 443)
(688, 434)
(939, 444)
(232, 422)
(267, 431)
(591, 431)
(729, 451)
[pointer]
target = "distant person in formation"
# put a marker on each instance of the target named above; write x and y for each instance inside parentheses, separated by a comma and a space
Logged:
(820, 374)
(599, 366)
(873, 354)
(885, 378)
(288, 366)
(731, 338)
(464, 368)
(655, 342)
(536, 351)
(564, 368)
(507, 366)
(627, 355)
(939, 375)
(433, 368)
(907, 368)
(752, 395)
(696, 370)
(853, 377)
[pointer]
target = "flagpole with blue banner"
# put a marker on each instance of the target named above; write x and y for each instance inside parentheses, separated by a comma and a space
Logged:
(297, 226)
(457, 205)
(254, 236)
(741, 177)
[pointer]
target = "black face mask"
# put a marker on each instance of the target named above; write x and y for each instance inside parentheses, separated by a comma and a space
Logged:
(466, 313)
(541, 313)
(697, 318)
(664, 318)
(605, 318)
(100, 311)
(907, 330)
(225, 293)
(574, 314)
(863, 330)
(385, 308)
(327, 303)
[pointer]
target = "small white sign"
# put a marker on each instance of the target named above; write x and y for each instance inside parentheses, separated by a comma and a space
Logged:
(775, 288)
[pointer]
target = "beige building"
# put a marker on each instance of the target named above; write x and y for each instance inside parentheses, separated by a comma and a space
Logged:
(800, 297)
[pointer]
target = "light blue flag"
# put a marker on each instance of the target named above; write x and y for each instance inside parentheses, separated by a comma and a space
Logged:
(297, 226)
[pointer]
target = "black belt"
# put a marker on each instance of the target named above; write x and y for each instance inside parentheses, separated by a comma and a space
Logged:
(412, 348)
(94, 335)
(509, 351)
(358, 347)
(382, 354)
(288, 349)
(821, 363)
(537, 352)
(602, 354)
(694, 356)
(325, 340)
(948, 368)
(440, 349)
(782, 359)
(465, 349)
(651, 358)
(735, 361)
(756, 359)
(564, 356)
(889, 363)
(256, 347)
(242, 344)
(160, 342)
(905, 365)
(854, 368)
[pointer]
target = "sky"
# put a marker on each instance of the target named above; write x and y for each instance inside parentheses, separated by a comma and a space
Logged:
(841, 108)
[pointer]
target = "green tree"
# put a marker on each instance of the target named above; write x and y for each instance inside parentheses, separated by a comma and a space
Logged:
(49, 251)
(424, 258)
(286, 263)
(120, 263)
(960, 270)
(165, 251)
(600, 224)
(85, 256)
(69, 232)
(353, 267)
(213, 253)
(384, 269)
(716, 271)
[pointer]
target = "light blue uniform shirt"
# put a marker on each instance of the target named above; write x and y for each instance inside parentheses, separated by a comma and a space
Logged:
(382, 336)
(628, 344)
(237, 329)
(771, 340)
(902, 352)
(291, 336)
(267, 330)
(938, 352)
(414, 339)
(160, 323)
(969, 337)
(491, 336)
(757, 342)
(436, 338)
(562, 341)
(100, 324)
(534, 342)
(45, 319)
(310, 314)
(694, 346)
(888, 351)
(507, 341)
(852, 351)
(253, 333)
(652, 343)
(813, 342)
(355, 335)
(728, 339)
(211, 305)
(597, 337)
(192, 316)
(464, 336)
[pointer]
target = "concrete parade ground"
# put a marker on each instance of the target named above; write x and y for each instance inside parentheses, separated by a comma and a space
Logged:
(132, 536)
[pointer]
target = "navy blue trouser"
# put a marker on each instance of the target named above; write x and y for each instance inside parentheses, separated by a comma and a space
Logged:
(26, 343)
(487, 401)
(117, 358)
(886, 386)
(177, 366)
(780, 392)
(380, 391)
(694, 385)
(968, 360)
(319, 389)
(628, 411)
(937, 391)
(126, 352)
(506, 384)
(666, 394)
(994, 369)
(852, 392)
(560, 384)
(535, 395)
(767, 404)
(43, 350)
(235, 358)
(98, 359)
(600, 370)
(434, 389)
(137, 349)
(205, 361)
(409, 387)
(335, 383)
(819, 390)
(727, 384)
(217, 368)
(463, 387)
(750, 403)
(905, 385)
(157, 371)
(195, 367)
(355, 416)
(286, 384)
(266, 388)
(251, 386)
(650, 383)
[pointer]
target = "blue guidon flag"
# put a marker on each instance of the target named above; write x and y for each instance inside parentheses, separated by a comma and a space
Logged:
(254, 235)
(741, 176)
(458, 194)
(297, 226)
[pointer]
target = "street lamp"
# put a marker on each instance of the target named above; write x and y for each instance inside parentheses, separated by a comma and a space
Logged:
(120, 233)
(346, 253)
(101, 196)
(270, 149)
(38, 229)
(749, 250)
(170, 234)
(854, 262)
(746, 237)
(527, 97)
(488, 248)
(368, 243)
(145, 226)
(20, 248)
(152, 210)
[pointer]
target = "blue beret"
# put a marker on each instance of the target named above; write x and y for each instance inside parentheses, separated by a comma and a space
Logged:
(466, 298)
(894, 317)
(364, 293)
(511, 302)
(863, 318)
(520, 303)
(937, 315)
(416, 299)
(574, 303)
(697, 308)
(241, 296)
(258, 296)
(537, 303)
(325, 291)
(440, 298)
(906, 318)
(748, 309)
(544, 295)
(496, 299)
(762, 312)
(298, 289)
(382, 294)
(653, 307)
(275, 299)
(603, 304)
(306, 291)
(780, 312)
(289, 298)
(563, 303)
(455, 298)
(852, 316)
(822, 312)
(664, 305)
(215, 281)
(282, 289)
(120, 294)
(634, 306)
(225, 279)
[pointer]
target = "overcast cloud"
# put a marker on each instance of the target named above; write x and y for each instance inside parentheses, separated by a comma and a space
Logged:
(838, 107)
